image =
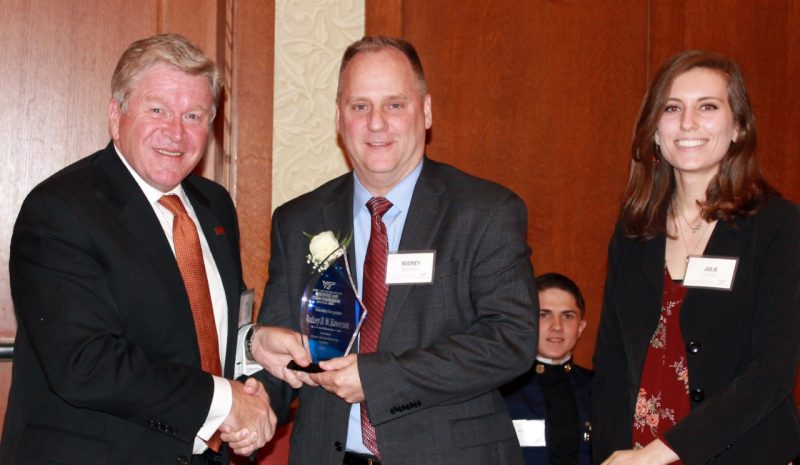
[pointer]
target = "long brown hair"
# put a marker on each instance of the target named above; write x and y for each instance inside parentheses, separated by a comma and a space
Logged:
(738, 190)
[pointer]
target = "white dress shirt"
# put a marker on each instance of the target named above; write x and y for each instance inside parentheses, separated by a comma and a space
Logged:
(223, 397)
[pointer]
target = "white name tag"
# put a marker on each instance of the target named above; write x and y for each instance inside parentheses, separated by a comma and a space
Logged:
(410, 267)
(530, 433)
(246, 307)
(710, 272)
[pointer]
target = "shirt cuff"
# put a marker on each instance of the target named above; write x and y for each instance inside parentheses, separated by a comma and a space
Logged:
(220, 408)
(242, 366)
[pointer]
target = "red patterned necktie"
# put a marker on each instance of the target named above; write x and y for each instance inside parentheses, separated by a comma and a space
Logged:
(374, 295)
(189, 255)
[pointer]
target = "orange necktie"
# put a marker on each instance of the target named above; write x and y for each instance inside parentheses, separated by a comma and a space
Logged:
(189, 255)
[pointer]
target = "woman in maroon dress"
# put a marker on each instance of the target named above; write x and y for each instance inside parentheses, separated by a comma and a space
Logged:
(697, 348)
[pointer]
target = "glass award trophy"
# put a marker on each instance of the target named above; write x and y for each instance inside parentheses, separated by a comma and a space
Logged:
(330, 312)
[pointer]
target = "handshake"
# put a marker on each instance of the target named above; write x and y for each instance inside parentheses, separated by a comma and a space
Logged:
(251, 422)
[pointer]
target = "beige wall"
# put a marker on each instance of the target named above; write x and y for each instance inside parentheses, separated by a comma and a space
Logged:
(310, 37)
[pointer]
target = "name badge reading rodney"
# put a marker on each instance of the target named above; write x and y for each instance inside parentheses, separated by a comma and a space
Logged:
(410, 267)
(530, 433)
(710, 272)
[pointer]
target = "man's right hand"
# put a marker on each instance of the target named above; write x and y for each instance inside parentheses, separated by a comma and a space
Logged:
(251, 422)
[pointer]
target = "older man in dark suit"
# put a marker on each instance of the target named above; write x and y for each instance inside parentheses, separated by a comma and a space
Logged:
(423, 386)
(126, 278)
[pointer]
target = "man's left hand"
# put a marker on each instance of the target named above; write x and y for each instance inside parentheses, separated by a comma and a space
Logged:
(341, 378)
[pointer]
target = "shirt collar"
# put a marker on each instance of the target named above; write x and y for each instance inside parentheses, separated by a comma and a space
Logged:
(550, 361)
(152, 194)
(400, 195)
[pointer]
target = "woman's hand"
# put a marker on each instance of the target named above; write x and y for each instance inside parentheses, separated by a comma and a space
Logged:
(655, 453)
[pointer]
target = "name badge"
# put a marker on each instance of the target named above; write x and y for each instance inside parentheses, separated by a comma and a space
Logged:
(410, 267)
(710, 272)
(246, 307)
(530, 433)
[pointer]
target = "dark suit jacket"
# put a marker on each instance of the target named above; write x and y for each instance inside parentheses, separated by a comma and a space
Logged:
(444, 348)
(525, 401)
(742, 345)
(106, 365)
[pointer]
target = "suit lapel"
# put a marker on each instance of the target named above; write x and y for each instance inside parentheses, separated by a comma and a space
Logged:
(653, 262)
(728, 240)
(419, 232)
(128, 204)
(337, 217)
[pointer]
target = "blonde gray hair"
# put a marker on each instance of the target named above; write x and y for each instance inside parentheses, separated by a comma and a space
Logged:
(171, 49)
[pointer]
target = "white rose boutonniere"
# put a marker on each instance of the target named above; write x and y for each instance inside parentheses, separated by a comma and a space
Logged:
(324, 249)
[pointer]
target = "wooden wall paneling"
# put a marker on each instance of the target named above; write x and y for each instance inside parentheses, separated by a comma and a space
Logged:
(384, 17)
(249, 117)
(56, 65)
(251, 92)
(203, 22)
(540, 97)
(766, 44)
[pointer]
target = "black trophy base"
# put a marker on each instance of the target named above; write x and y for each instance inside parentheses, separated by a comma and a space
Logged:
(311, 368)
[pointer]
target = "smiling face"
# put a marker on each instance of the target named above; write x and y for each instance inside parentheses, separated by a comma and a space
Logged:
(382, 117)
(696, 127)
(163, 132)
(560, 323)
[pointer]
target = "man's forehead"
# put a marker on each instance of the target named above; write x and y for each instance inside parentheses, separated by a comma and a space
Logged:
(559, 310)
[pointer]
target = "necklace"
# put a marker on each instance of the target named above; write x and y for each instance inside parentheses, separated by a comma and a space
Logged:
(679, 230)
(692, 227)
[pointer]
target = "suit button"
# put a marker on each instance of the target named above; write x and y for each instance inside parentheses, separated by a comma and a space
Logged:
(182, 460)
(697, 395)
(693, 347)
(338, 446)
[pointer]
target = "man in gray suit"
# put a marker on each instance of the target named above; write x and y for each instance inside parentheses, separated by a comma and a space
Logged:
(428, 391)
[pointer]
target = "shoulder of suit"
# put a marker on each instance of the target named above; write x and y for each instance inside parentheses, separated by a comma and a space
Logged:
(778, 208)
(207, 187)
(579, 370)
(74, 179)
(775, 214)
(464, 184)
(321, 194)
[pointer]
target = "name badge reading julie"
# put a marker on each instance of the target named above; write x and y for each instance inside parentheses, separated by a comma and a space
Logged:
(410, 267)
(710, 272)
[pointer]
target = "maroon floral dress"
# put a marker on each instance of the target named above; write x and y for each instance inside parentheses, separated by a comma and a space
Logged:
(663, 398)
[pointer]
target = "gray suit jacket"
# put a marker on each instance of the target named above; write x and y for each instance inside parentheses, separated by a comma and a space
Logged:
(444, 348)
